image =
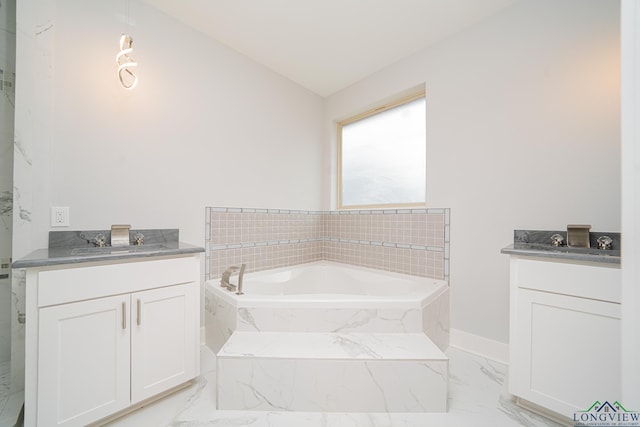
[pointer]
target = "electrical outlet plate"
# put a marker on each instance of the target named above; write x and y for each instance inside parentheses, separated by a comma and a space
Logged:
(59, 216)
(5, 268)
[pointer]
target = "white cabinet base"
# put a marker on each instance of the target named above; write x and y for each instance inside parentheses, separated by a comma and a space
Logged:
(564, 336)
(537, 409)
(95, 348)
(134, 407)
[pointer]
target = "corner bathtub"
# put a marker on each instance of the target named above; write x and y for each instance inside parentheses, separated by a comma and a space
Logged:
(328, 297)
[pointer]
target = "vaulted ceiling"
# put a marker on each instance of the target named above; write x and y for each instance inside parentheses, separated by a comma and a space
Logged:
(326, 45)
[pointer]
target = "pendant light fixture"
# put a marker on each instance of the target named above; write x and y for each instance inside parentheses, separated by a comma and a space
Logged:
(127, 78)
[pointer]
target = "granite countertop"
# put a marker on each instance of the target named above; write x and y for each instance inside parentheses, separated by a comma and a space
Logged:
(536, 243)
(562, 253)
(75, 247)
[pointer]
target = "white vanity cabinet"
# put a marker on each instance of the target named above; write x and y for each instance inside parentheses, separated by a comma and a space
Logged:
(102, 337)
(565, 333)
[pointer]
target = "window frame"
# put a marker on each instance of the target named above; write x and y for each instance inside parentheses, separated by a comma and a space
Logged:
(372, 112)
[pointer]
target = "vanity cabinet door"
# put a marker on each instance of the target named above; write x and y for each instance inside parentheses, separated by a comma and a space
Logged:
(164, 340)
(565, 351)
(83, 368)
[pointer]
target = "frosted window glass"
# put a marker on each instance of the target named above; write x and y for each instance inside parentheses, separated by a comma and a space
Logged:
(384, 157)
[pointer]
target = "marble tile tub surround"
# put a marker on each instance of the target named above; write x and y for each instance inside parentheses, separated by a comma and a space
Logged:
(332, 373)
(408, 241)
(222, 319)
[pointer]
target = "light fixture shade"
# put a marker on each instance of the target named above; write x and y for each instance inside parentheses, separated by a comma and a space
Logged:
(127, 78)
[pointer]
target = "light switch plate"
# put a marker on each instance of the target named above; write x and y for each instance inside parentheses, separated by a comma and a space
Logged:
(59, 216)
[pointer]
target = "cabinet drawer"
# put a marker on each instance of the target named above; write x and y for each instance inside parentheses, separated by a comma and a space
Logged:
(600, 282)
(81, 283)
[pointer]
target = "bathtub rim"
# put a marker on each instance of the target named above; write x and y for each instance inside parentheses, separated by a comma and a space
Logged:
(333, 301)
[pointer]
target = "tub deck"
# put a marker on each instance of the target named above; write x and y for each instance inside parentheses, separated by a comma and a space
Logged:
(424, 309)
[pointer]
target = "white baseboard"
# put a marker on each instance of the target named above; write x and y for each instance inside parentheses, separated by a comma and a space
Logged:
(494, 350)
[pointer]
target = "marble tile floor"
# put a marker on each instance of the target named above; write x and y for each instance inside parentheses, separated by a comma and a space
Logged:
(10, 403)
(477, 398)
(11, 412)
(5, 383)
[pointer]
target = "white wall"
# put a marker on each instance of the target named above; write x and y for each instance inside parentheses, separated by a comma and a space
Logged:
(523, 132)
(205, 126)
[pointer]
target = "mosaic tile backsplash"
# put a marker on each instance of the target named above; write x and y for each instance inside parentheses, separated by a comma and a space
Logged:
(409, 241)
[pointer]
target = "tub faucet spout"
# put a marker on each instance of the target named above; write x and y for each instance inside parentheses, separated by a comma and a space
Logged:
(226, 276)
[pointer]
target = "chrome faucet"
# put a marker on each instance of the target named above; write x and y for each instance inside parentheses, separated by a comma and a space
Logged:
(224, 280)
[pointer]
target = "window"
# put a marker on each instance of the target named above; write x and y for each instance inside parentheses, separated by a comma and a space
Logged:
(382, 156)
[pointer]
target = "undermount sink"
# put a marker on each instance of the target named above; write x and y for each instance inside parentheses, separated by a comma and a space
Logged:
(117, 249)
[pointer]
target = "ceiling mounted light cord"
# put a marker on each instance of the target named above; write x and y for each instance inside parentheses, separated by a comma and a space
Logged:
(127, 78)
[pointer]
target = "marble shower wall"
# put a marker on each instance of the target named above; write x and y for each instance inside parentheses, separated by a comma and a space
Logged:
(31, 151)
(7, 114)
(409, 241)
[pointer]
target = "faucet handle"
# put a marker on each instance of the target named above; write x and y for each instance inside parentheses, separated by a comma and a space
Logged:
(138, 238)
(605, 243)
(100, 240)
(557, 240)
